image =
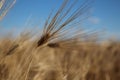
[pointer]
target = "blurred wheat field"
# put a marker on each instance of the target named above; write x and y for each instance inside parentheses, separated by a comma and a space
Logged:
(59, 53)
(89, 61)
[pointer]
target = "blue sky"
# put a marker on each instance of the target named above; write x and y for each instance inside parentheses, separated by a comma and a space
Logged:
(105, 15)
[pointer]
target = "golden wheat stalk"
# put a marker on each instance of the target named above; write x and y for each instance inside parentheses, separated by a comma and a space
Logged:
(65, 18)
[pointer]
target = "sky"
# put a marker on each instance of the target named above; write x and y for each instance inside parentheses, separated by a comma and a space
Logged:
(105, 15)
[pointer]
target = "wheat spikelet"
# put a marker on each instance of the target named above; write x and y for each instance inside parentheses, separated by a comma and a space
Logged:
(56, 26)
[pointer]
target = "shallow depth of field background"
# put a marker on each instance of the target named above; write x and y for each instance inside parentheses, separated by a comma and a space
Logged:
(30, 52)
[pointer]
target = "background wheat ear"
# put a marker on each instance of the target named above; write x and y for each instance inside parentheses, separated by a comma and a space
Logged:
(5, 6)
(12, 49)
(59, 26)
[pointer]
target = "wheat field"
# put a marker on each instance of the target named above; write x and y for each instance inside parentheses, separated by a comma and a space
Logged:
(88, 61)
(59, 53)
